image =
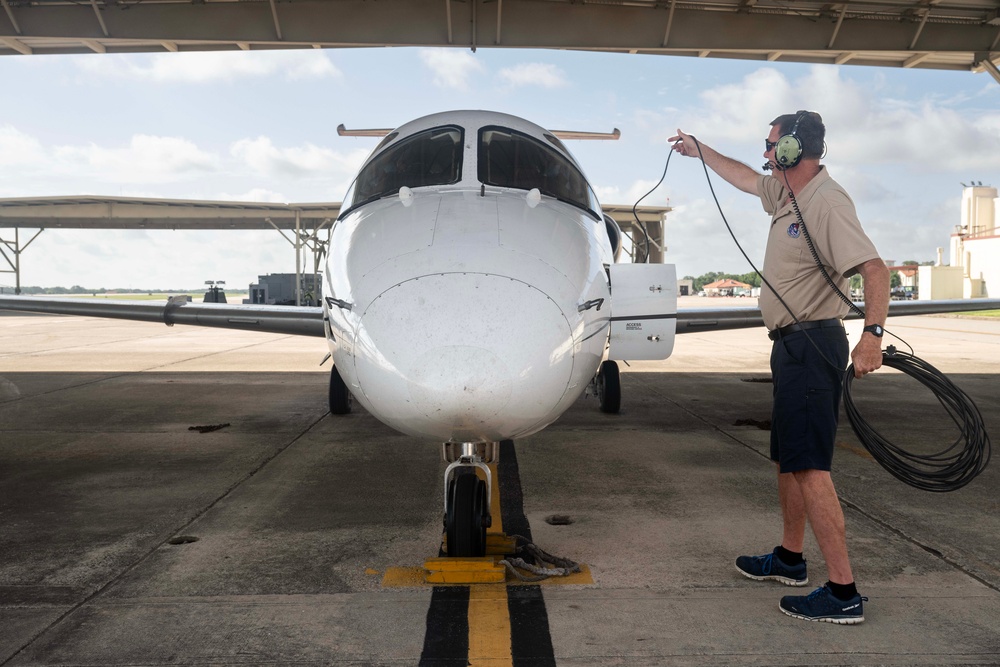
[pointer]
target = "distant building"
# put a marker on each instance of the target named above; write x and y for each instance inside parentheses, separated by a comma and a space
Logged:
(974, 252)
(727, 287)
(907, 274)
(279, 289)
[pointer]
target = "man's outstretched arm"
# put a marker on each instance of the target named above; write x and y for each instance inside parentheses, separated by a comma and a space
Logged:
(734, 172)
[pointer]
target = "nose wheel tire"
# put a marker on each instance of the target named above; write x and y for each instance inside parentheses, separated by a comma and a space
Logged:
(609, 387)
(340, 397)
(467, 516)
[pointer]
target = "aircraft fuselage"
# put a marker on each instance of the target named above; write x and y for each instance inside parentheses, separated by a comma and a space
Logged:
(459, 311)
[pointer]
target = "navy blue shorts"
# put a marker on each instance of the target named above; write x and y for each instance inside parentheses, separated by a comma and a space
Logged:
(807, 391)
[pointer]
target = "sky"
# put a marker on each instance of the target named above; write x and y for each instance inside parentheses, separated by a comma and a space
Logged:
(261, 126)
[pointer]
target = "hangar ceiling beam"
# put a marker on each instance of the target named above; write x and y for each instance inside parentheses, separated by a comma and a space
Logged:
(274, 17)
(10, 15)
(670, 22)
(100, 19)
(861, 32)
(836, 28)
(991, 68)
(17, 45)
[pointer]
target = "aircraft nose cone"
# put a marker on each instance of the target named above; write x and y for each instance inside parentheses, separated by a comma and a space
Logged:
(463, 356)
(460, 384)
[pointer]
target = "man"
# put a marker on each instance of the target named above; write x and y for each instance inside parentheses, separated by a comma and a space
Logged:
(803, 315)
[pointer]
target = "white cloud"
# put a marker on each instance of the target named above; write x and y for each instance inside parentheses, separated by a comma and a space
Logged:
(306, 160)
(614, 194)
(452, 68)
(17, 149)
(861, 128)
(147, 159)
(254, 194)
(533, 74)
(212, 66)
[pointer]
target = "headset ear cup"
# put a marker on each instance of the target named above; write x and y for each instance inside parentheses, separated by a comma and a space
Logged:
(788, 150)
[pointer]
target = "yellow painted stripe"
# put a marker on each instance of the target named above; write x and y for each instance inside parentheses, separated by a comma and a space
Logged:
(489, 627)
(406, 577)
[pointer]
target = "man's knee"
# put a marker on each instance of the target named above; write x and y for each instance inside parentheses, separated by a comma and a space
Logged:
(812, 477)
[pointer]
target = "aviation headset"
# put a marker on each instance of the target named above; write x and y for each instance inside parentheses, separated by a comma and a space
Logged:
(788, 149)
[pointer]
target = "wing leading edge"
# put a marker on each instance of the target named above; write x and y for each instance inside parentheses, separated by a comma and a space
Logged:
(717, 319)
(308, 321)
(295, 320)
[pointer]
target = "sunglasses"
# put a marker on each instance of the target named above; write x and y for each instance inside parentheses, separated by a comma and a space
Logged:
(768, 145)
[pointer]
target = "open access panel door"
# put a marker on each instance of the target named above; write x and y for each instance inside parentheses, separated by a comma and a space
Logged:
(643, 311)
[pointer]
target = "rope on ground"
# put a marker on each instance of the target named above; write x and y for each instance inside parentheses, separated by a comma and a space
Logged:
(563, 567)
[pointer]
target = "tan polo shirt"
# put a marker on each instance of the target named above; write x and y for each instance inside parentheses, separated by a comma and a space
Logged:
(836, 232)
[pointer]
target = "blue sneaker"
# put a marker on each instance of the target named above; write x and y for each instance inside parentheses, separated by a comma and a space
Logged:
(770, 567)
(822, 605)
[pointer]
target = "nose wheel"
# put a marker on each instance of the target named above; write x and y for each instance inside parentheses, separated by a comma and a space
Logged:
(468, 515)
(467, 497)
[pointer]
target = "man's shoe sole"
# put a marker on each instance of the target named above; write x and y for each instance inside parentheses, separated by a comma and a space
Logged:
(773, 577)
(845, 620)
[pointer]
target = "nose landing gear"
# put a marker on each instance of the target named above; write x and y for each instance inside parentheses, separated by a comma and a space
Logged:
(467, 498)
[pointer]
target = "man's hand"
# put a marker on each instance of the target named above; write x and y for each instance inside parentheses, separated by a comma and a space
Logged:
(867, 355)
(736, 173)
(684, 144)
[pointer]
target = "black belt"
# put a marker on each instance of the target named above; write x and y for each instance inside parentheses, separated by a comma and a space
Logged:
(801, 326)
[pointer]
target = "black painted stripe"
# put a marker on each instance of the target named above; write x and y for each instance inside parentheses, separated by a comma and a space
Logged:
(530, 639)
(446, 640)
(511, 497)
(636, 318)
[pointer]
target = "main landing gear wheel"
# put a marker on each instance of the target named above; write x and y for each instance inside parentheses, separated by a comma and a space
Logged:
(609, 387)
(340, 397)
(468, 515)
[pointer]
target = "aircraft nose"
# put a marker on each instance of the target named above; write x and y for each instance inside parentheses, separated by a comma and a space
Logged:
(463, 356)
(457, 383)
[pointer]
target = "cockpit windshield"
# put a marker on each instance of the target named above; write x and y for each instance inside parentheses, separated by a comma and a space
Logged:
(432, 157)
(510, 159)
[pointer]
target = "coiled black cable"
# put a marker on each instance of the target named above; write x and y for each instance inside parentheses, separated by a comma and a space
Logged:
(947, 470)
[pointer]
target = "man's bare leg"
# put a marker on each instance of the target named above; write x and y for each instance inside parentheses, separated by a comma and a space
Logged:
(827, 519)
(793, 512)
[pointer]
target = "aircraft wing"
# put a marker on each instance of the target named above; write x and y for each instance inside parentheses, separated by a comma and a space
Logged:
(716, 319)
(308, 321)
(297, 320)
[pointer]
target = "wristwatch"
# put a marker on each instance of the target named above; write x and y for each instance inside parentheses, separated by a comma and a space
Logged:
(875, 330)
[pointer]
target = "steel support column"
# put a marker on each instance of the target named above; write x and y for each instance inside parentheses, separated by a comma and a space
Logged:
(16, 249)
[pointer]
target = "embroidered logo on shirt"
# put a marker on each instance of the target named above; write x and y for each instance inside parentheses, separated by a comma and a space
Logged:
(793, 230)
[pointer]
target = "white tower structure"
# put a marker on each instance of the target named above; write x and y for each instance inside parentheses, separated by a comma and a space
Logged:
(974, 245)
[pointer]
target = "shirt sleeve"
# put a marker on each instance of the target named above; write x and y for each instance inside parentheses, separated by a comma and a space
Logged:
(771, 193)
(847, 242)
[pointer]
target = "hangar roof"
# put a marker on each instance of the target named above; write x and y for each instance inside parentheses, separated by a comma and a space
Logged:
(135, 213)
(941, 34)
(132, 213)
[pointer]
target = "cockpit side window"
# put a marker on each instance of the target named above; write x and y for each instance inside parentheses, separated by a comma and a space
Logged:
(510, 159)
(432, 157)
